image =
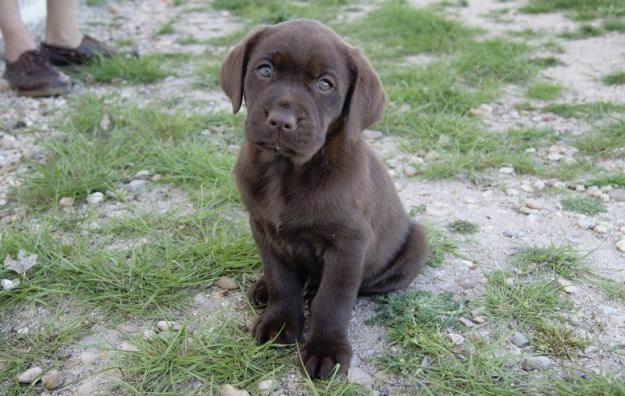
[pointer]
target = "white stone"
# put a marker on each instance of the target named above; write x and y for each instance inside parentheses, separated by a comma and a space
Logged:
(227, 283)
(537, 363)
(519, 339)
(30, 375)
(618, 195)
(229, 390)
(534, 204)
(356, 375)
(554, 157)
(620, 245)
(167, 325)
(372, 135)
(506, 170)
(539, 184)
(52, 380)
(66, 202)
(8, 284)
(134, 186)
(95, 198)
(143, 174)
(409, 170)
(456, 339)
(267, 387)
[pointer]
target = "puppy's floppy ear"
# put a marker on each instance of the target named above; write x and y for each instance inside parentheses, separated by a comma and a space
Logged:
(365, 100)
(232, 72)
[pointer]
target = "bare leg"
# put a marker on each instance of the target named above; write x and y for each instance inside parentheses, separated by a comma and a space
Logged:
(17, 39)
(61, 26)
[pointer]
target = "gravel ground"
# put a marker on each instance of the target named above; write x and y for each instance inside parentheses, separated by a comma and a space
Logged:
(512, 211)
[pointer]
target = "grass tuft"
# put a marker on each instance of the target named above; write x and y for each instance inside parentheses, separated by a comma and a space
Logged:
(440, 246)
(606, 142)
(562, 260)
(144, 70)
(590, 206)
(544, 91)
(616, 78)
(463, 227)
(179, 362)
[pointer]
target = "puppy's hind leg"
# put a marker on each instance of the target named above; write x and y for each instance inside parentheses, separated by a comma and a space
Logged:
(406, 266)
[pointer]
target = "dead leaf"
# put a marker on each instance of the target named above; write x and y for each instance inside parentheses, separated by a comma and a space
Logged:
(22, 264)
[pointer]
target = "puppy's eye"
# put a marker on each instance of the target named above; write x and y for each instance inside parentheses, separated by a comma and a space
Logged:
(264, 71)
(324, 85)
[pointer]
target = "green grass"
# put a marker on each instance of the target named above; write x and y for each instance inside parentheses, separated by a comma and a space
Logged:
(43, 347)
(605, 142)
(207, 75)
(275, 11)
(396, 29)
(528, 303)
(181, 363)
(614, 25)
(592, 110)
(616, 179)
(166, 28)
(144, 70)
(590, 206)
(463, 227)
(89, 159)
(583, 9)
(558, 340)
(561, 260)
(440, 246)
(616, 78)
(584, 31)
(614, 290)
(544, 91)
(418, 323)
(141, 280)
(589, 384)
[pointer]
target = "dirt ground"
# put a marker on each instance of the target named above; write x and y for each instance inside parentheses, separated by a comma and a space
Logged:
(511, 210)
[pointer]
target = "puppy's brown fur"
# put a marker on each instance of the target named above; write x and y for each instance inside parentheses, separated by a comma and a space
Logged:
(323, 210)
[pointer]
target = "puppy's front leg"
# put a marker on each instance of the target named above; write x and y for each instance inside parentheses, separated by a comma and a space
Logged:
(284, 315)
(331, 311)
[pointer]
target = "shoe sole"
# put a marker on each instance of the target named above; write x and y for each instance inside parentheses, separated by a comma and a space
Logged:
(44, 92)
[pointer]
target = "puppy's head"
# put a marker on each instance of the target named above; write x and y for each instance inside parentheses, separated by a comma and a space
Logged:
(300, 82)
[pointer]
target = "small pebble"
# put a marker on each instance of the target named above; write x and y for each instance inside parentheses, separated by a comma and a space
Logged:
(567, 286)
(457, 339)
(66, 202)
(620, 245)
(600, 229)
(128, 347)
(580, 188)
(8, 284)
(527, 188)
(71, 363)
(95, 198)
(585, 223)
(267, 387)
(356, 375)
(52, 380)
(554, 157)
(87, 388)
(466, 322)
(506, 170)
(130, 328)
(539, 184)
(143, 174)
(89, 357)
(227, 283)
(134, 186)
(534, 204)
(30, 375)
(167, 325)
(519, 339)
(618, 195)
(229, 390)
(537, 363)
(409, 170)
(467, 281)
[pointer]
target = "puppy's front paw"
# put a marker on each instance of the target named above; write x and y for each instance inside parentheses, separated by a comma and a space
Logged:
(286, 324)
(320, 356)
(258, 293)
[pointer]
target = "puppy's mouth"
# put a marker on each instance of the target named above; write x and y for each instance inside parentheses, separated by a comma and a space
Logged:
(276, 148)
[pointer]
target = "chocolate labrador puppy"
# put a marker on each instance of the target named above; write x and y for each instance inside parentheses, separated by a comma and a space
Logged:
(323, 210)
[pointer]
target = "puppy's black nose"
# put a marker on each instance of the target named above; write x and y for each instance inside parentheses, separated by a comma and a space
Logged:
(282, 120)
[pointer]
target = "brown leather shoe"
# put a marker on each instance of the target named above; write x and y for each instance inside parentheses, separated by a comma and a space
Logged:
(33, 75)
(89, 49)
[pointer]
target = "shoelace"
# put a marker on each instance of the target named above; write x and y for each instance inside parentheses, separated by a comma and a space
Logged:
(33, 61)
